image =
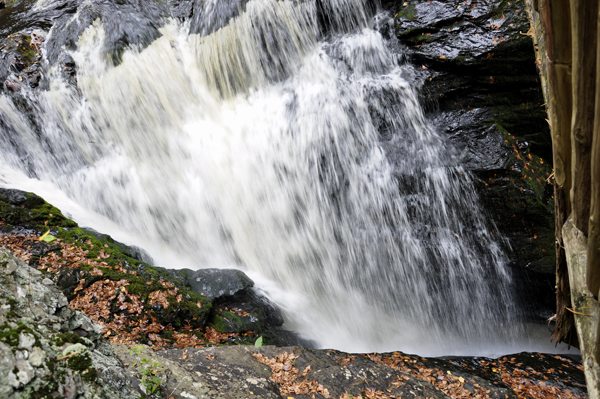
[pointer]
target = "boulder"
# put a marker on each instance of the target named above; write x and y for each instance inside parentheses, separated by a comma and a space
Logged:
(215, 284)
(237, 306)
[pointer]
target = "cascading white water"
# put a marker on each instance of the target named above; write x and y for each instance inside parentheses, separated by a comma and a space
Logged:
(306, 162)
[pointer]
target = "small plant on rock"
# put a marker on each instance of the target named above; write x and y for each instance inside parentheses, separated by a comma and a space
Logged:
(149, 370)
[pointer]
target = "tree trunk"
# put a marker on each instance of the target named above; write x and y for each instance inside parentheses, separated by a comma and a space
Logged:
(593, 249)
(556, 20)
(584, 22)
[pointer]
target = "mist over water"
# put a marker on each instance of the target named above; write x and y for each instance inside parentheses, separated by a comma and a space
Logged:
(301, 158)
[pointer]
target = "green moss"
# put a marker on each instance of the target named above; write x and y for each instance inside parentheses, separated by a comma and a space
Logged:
(10, 336)
(180, 313)
(45, 389)
(36, 216)
(227, 322)
(51, 364)
(408, 33)
(68, 337)
(425, 38)
(407, 12)
(197, 315)
(12, 313)
(82, 363)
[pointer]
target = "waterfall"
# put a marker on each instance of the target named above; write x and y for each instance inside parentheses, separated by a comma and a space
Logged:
(286, 144)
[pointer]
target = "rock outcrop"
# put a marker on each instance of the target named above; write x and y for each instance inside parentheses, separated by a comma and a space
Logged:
(294, 372)
(46, 348)
(49, 350)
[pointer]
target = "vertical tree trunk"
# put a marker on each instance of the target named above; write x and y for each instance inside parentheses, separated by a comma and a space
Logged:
(584, 22)
(556, 20)
(593, 250)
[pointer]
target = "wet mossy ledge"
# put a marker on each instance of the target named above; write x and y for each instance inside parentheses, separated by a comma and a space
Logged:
(132, 300)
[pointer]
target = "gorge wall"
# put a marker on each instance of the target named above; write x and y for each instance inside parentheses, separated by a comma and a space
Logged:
(482, 88)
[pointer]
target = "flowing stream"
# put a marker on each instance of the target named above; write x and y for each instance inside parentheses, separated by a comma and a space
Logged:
(301, 157)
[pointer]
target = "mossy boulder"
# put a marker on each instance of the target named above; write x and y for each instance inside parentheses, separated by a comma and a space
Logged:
(27, 210)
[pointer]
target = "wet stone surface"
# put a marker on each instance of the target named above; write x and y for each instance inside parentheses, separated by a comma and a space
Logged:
(479, 85)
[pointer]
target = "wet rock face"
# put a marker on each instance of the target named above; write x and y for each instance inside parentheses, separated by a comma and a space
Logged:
(27, 15)
(215, 284)
(207, 17)
(126, 23)
(46, 348)
(19, 56)
(479, 84)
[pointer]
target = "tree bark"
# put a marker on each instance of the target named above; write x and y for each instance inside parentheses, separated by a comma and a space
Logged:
(556, 21)
(584, 22)
(593, 250)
